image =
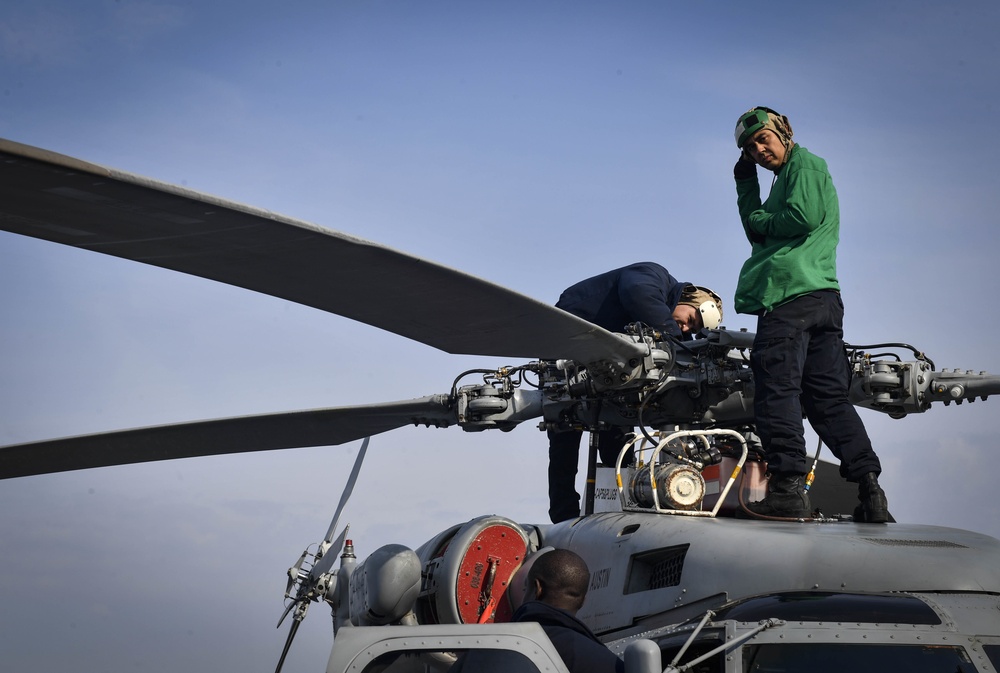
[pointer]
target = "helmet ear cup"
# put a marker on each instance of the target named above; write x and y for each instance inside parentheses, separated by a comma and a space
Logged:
(784, 126)
(711, 315)
(780, 121)
(706, 302)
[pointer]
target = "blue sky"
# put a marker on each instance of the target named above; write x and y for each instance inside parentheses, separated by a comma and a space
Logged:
(532, 144)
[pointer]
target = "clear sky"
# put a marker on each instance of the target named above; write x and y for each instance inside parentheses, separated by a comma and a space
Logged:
(529, 143)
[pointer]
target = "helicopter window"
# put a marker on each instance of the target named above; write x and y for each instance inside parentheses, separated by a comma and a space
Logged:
(656, 569)
(833, 607)
(715, 664)
(468, 661)
(493, 661)
(993, 652)
(836, 658)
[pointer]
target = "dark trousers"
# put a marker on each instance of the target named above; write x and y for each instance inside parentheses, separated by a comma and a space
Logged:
(564, 456)
(799, 364)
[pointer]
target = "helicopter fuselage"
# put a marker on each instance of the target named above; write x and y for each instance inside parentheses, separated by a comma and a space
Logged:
(723, 594)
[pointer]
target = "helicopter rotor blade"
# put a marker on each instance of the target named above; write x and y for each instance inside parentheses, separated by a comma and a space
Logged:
(288, 643)
(241, 434)
(348, 490)
(69, 201)
(329, 547)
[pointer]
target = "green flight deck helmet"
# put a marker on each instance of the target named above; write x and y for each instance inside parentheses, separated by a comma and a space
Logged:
(761, 117)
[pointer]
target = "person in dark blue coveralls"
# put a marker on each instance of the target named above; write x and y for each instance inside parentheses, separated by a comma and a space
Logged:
(643, 292)
(556, 586)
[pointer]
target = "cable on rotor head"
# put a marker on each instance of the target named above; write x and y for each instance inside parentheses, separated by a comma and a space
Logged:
(917, 353)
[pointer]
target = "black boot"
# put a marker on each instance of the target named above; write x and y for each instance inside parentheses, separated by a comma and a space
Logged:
(874, 507)
(786, 498)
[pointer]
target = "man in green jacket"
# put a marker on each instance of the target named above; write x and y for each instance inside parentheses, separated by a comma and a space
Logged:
(790, 282)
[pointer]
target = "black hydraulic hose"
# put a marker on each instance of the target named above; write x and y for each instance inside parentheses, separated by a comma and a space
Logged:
(919, 354)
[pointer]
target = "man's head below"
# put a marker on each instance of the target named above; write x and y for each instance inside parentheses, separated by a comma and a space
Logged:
(697, 308)
(559, 578)
(765, 136)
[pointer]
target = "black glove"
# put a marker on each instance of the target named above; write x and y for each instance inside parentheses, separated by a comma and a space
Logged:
(745, 168)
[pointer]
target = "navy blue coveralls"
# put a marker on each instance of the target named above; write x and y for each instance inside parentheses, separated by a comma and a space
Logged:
(643, 292)
(579, 648)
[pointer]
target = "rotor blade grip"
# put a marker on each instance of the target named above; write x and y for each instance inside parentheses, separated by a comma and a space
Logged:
(955, 387)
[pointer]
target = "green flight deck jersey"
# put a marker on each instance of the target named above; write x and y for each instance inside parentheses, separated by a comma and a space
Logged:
(794, 234)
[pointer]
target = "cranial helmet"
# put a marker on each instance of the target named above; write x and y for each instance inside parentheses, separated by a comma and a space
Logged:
(759, 118)
(707, 303)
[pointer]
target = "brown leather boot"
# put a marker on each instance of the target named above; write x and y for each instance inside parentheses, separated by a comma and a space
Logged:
(874, 507)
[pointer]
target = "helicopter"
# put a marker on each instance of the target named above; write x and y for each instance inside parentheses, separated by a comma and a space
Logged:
(660, 545)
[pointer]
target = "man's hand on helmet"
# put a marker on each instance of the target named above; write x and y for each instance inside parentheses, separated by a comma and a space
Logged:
(745, 168)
